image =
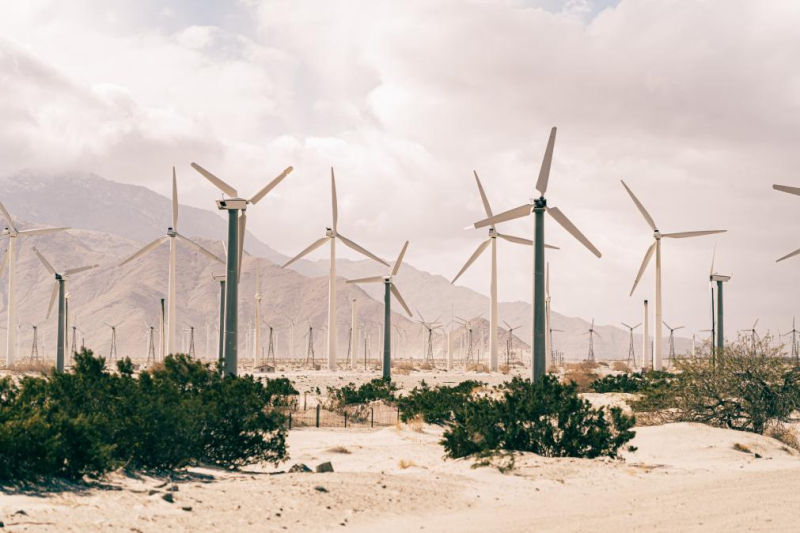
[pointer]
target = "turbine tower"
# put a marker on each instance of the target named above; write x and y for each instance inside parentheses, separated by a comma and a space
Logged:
(389, 289)
(172, 234)
(793, 333)
(753, 334)
(591, 332)
(672, 340)
(631, 351)
(10, 259)
(509, 343)
(656, 247)
(331, 234)
(429, 327)
(112, 353)
(60, 290)
(493, 234)
(236, 233)
(719, 279)
(538, 207)
(257, 349)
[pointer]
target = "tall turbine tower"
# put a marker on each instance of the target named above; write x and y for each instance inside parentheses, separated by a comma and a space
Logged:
(631, 351)
(389, 289)
(331, 234)
(60, 290)
(538, 207)
(172, 234)
(11, 231)
(493, 234)
(656, 247)
(719, 279)
(236, 232)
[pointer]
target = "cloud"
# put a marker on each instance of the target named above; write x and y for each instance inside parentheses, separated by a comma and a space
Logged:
(693, 103)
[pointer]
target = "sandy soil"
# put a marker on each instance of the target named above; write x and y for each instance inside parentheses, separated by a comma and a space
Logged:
(683, 477)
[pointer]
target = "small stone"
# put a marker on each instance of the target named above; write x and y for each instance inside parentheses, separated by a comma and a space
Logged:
(151, 492)
(324, 467)
(173, 488)
(168, 497)
(758, 456)
(299, 467)
(2, 524)
(21, 512)
(320, 488)
(187, 508)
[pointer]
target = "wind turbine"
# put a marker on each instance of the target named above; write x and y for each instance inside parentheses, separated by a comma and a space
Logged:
(538, 207)
(672, 340)
(656, 247)
(631, 351)
(430, 327)
(509, 343)
(753, 334)
(793, 333)
(59, 289)
(389, 289)
(236, 233)
(719, 279)
(591, 332)
(112, 354)
(331, 234)
(171, 236)
(493, 234)
(10, 259)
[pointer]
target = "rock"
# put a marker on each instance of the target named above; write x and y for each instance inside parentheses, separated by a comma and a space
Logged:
(758, 456)
(2, 524)
(168, 497)
(173, 488)
(324, 467)
(21, 512)
(187, 508)
(299, 467)
(152, 492)
(320, 488)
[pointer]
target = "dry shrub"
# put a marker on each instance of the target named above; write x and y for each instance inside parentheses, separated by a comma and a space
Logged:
(404, 365)
(619, 366)
(31, 367)
(406, 464)
(786, 435)
(339, 449)
(504, 369)
(426, 366)
(477, 367)
(742, 448)
(581, 374)
(401, 371)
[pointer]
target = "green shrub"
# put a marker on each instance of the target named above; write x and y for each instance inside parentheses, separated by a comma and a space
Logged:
(350, 394)
(91, 421)
(545, 417)
(632, 383)
(435, 405)
(750, 388)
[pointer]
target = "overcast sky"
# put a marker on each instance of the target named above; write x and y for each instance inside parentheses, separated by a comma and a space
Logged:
(696, 104)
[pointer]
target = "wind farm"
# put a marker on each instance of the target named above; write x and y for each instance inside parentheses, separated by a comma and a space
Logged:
(285, 266)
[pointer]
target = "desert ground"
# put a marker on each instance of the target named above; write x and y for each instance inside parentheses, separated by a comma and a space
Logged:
(681, 477)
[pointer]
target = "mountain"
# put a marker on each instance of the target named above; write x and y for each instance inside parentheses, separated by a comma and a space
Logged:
(112, 220)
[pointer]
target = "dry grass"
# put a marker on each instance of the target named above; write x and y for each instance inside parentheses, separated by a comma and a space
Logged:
(786, 435)
(742, 448)
(581, 374)
(426, 366)
(477, 367)
(401, 371)
(31, 367)
(504, 369)
(339, 449)
(406, 464)
(415, 424)
(619, 366)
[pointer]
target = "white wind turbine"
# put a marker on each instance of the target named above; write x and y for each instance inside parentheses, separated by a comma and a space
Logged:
(60, 290)
(493, 234)
(656, 247)
(331, 234)
(10, 259)
(172, 234)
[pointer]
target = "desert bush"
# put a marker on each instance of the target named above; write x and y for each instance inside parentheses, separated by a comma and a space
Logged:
(545, 417)
(632, 383)
(619, 366)
(350, 394)
(282, 392)
(581, 374)
(750, 388)
(478, 367)
(435, 404)
(91, 421)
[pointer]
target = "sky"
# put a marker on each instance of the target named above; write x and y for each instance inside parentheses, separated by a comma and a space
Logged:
(695, 104)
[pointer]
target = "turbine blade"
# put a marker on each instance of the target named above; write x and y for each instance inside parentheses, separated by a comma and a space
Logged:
(353, 246)
(786, 188)
(44, 261)
(373, 279)
(679, 327)
(79, 269)
(517, 240)
(642, 268)
(4, 263)
(199, 248)
(334, 203)
(544, 171)
(665, 323)
(570, 227)
(713, 257)
(486, 206)
(174, 200)
(641, 208)
(684, 234)
(626, 325)
(40, 231)
(53, 295)
(481, 248)
(8, 216)
(511, 214)
(637, 325)
(400, 299)
(787, 256)
(145, 250)
(399, 261)
(307, 251)
(218, 183)
(242, 229)
(269, 186)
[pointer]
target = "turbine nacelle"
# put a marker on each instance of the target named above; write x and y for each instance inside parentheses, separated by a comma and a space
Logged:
(657, 235)
(232, 203)
(171, 232)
